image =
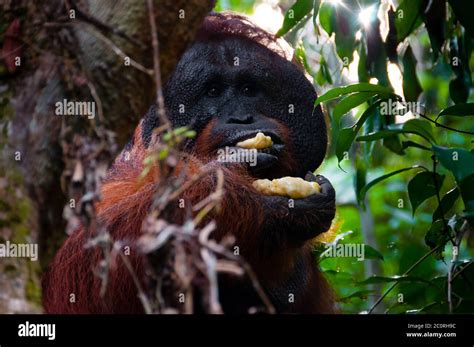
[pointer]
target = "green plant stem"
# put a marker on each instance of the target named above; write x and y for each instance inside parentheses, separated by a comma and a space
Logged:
(418, 262)
(445, 126)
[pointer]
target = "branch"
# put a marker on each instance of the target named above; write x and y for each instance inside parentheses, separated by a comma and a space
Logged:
(445, 126)
(156, 67)
(418, 262)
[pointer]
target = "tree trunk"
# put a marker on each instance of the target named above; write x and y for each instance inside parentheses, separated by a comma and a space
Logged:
(96, 51)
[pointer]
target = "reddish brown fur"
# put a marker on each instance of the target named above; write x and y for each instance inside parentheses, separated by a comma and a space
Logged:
(124, 205)
(126, 201)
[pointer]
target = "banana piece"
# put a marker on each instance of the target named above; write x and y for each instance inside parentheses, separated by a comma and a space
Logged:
(260, 141)
(293, 187)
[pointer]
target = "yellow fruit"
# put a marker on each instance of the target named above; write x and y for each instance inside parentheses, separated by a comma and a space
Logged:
(260, 141)
(293, 187)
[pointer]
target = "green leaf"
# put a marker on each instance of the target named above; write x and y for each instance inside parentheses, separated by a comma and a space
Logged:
(406, 144)
(350, 102)
(374, 136)
(460, 286)
(413, 126)
(150, 159)
(300, 54)
(381, 279)
(372, 253)
(461, 163)
(359, 87)
(346, 136)
(164, 152)
(360, 294)
(375, 121)
(324, 74)
(460, 49)
(422, 187)
(447, 202)
(467, 194)
(420, 127)
(380, 179)
(146, 170)
(190, 134)
(316, 6)
(327, 17)
(180, 131)
(393, 143)
(340, 277)
(360, 179)
(459, 110)
(435, 23)
(411, 85)
(345, 39)
(294, 15)
(457, 160)
(241, 6)
(408, 17)
(437, 236)
(459, 89)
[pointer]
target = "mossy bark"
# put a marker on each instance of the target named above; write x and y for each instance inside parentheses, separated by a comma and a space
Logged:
(60, 55)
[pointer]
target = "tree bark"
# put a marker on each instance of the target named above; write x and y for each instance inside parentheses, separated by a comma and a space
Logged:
(96, 51)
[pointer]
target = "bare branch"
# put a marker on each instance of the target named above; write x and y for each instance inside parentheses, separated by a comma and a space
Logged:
(156, 67)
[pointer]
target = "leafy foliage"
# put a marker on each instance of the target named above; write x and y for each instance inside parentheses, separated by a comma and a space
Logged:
(379, 137)
(407, 181)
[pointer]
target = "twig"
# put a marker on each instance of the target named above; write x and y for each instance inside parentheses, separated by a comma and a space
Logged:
(120, 53)
(194, 178)
(464, 268)
(437, 189)
(445, 126)
(418, 262)
(212, 201)
(448, 234)
(97, 100)
(452, 266)
(156, 67)
(141, 293)
(101, 37)
(247, 268)
(450, 281)
(455, 242)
